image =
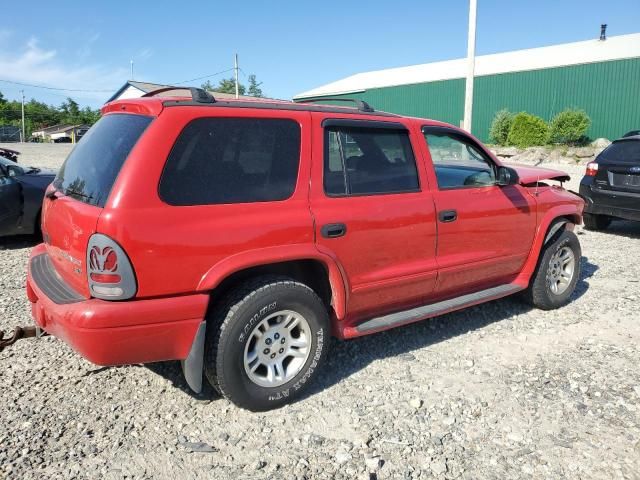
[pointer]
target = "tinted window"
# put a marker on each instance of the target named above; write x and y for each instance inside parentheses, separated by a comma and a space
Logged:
(361, 161)
(92, 167)
(458, 162)
(232, 160)
(625, 151)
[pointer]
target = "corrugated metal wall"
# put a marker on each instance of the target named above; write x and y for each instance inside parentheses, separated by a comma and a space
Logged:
(609, 92)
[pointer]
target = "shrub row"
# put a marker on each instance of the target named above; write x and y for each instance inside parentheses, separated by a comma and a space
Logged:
(526, 130)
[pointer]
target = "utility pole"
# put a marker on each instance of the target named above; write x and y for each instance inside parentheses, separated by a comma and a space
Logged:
(131, 62)
(471, 65)
(235, 69)
(23, 129)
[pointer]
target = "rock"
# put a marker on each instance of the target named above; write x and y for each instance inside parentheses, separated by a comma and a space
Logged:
(259, 465)
(600, 143)
(584, 152)
(438, 467)
(198, 447)
(374, 463)
(316, 439)
(450, 420)
(407, 357)
(342, 457)
(505, 151)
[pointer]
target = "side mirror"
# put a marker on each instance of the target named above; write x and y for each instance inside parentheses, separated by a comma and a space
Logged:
(507, 176)
(14, 171)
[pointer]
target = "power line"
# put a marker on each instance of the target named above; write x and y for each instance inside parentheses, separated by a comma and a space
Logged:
(54, 88)
(203, 77)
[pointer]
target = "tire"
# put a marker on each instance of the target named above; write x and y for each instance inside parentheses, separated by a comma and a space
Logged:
(238, 361)
(596, 222)
(540, 292)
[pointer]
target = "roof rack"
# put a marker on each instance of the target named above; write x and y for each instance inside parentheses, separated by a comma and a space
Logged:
(360, 104)
(197, 94)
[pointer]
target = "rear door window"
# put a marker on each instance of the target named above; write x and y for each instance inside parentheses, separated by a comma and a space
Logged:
(91, 169)
(232, 160)
(368, 161)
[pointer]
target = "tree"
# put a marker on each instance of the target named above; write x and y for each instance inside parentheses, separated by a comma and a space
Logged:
(39, 115)
(500, 127)
(569, 126)
(254, 87)
(228, 85)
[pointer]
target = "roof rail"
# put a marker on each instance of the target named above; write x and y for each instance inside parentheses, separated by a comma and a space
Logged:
(198, 95)
(360, 104)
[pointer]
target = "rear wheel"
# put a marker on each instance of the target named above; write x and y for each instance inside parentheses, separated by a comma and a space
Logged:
(266, 342)
(557, 273)
(596, 222)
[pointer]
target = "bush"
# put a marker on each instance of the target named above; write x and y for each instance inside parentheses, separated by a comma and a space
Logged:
(569, 126)
(527, 131)
(500, 127)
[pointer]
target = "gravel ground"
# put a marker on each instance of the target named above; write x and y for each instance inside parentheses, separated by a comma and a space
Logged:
(495, 391)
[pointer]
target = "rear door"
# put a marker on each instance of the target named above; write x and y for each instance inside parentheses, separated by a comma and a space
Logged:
(618, 177)
(373, 211)
(485, 231)
(80, 190)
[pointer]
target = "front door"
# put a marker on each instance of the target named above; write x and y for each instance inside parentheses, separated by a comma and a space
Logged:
(373, 212)
(485, 231)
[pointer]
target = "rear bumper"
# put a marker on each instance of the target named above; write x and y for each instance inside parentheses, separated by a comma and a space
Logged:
(118, 333)
(613, 203)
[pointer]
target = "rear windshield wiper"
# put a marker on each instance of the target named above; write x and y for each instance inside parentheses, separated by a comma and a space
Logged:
(69, 191)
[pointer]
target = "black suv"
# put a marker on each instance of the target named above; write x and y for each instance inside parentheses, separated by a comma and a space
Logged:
(611, 185)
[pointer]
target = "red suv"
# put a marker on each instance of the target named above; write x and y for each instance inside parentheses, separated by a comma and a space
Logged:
(237, 236)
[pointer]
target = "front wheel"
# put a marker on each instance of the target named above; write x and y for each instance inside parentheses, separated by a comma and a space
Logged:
(557, 273)
(266, 342)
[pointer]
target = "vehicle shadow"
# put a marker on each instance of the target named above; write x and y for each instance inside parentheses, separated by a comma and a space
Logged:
(16, 242)
(348, 357)
(623, 228)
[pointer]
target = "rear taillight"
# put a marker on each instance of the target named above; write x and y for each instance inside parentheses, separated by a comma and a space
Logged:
(592, 169)
(109, 271)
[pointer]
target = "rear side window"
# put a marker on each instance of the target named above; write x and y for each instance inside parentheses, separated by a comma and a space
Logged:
(368, 161)
(92, 167)
(232, 160)
(625, 151)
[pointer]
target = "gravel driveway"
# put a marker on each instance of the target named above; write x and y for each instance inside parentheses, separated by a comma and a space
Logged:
(495, 391)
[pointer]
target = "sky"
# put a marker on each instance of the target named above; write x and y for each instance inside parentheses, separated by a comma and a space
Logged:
(291, 46)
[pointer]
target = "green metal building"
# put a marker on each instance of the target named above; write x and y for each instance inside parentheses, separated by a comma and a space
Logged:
(601, 77)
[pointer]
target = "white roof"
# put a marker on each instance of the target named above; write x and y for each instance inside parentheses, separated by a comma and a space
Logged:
(590, 51)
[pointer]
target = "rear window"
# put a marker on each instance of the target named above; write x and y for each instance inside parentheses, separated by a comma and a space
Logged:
(625, 151)
(232, 160)
(92, 167)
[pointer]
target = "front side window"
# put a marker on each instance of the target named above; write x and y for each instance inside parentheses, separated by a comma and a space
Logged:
(457, 161)
(232, 160)
(368, 161)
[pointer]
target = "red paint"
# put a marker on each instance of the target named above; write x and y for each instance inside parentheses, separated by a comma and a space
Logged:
(395, 255)
(528, 175)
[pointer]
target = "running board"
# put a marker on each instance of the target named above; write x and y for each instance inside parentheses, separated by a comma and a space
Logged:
(435, 309)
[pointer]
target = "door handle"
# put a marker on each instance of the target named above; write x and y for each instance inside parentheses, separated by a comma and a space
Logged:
(333, 230)
(446, 216)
